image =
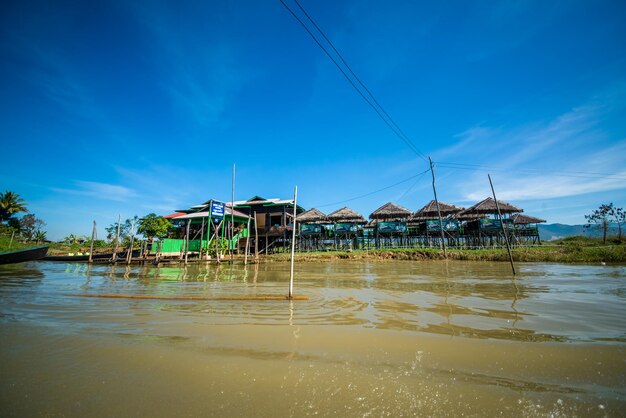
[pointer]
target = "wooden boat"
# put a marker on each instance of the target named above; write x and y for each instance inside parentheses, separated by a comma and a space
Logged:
(20, 256)
(85, 257)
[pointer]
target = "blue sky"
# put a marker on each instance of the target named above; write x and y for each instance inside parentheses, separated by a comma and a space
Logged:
(137, 107)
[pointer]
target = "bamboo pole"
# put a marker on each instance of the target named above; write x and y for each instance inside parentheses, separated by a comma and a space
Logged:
(117, 238)
(93, 235)
(232, 216)
(201, 239)
(245, 257)
(293, 241)
(129, 255)
(217, 241)
(187, 241)
(256, 240)
(506, 236)
(443, 243)
(150, 297)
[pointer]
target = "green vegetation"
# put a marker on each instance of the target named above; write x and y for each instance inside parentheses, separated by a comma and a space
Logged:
(10, 204)
(18, 233)
(153, 226)
(602, 218)
(568, 250)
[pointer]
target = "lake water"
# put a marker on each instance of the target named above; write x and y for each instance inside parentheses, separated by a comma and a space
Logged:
(374, 339)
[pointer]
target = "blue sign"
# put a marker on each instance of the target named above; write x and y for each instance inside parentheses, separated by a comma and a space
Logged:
(217, 209)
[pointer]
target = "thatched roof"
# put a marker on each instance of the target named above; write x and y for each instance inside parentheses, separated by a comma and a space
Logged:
(390, 211)
(430, 211)
(346, 215)
(519, 219)
(462, 216)
(312, 216)
(488, 206)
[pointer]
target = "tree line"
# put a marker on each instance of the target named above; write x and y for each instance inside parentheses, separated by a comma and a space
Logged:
(30, 228)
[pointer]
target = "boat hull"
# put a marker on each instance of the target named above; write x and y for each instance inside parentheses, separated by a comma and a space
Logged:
(21, 256)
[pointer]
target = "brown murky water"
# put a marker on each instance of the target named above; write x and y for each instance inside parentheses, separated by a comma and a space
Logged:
(374, 339)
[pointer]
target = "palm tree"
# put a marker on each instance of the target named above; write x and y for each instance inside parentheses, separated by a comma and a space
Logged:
(11, 203)
(40, 236)
(71, 239)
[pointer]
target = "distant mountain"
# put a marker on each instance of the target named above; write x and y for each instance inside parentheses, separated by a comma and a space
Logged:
(556, 231)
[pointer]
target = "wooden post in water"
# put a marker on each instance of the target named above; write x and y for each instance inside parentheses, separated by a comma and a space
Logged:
(129, 255)
(217, 241)
(117, 238)
(201, 239)
(187, 240)
(293, 241)
(443, 243)
(93, 235)
(506, 236)
(256, 240)
(232, 216)
(245, 257)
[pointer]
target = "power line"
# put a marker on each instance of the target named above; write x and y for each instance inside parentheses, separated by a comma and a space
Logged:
(374, 104)
(376, 191)
(412, 186)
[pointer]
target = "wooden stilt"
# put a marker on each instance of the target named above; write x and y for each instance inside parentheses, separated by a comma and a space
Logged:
(187, 241)
(247, 250)
(256, 240)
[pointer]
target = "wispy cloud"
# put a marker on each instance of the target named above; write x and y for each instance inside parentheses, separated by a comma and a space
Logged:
(572, 154)
(100, 191)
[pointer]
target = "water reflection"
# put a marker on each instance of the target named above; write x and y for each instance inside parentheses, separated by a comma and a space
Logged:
(546, 302)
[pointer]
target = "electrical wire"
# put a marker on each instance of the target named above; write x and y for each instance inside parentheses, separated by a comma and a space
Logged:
(373, 103)
(375, 191)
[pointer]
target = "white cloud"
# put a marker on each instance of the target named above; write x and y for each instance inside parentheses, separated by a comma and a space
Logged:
(101, 191)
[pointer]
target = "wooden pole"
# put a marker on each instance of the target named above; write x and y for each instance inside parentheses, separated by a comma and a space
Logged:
(217, 241)
(443, 243)
(117, 238)
(129, 255)
(245, 257)
(506, 236)
(232, 216)
(256, 240)
(11, 242)
(93, 235)
(201, 239)
(160, 297)
(187, 240)
(293, 241)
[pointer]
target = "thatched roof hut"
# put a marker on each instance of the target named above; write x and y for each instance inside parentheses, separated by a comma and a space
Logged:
(488, 207)
(346, 215)
(390, 212)
(429, 211)
(312, 216)
(519, 219)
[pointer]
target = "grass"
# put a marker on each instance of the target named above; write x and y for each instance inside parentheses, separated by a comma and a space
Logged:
(566, 251)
